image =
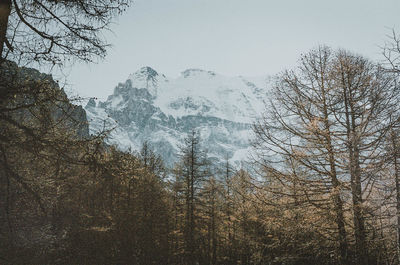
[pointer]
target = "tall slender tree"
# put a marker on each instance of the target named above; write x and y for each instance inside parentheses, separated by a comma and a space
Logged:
(367, 114)
(194, 171)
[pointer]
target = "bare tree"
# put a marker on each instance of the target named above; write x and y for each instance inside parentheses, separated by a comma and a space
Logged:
(391, 53)
(299, 127)
(324, 132)
(367, 113)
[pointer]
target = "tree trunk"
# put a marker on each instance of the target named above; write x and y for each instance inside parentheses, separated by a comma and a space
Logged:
(397, 181)
(5, 9)
(355, 178)
(337, 200)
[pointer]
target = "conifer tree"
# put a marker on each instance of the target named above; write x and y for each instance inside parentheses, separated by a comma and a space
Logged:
(194, 171)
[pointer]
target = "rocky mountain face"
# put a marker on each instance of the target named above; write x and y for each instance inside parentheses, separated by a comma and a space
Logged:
(24, 91)
(151, 107)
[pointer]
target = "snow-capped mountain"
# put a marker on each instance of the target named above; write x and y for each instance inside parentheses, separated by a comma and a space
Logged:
(151, 107)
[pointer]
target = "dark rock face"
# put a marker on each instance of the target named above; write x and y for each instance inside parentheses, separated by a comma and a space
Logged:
(91, 103)
(26, 90)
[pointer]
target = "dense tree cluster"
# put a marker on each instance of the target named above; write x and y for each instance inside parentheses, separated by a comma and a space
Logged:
(68, 198)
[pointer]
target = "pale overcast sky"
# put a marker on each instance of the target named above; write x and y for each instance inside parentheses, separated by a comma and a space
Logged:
(233, 37)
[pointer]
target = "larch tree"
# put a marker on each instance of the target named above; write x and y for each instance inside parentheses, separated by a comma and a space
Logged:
(391, 53)
(194, 170)
(298, 127)
(210, 204)
(228, 211)
(323, 132)
(152, 161)
(366, 113)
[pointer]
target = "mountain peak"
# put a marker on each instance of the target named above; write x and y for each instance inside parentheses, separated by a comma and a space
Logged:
(144, 73)
(195, 72)
(148, 78)
(91, 103)
(148, 71)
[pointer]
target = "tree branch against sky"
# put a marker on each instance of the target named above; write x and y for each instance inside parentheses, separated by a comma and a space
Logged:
(56, 32)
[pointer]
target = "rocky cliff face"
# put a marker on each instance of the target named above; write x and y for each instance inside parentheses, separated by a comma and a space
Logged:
(24, 91)
(151, 107)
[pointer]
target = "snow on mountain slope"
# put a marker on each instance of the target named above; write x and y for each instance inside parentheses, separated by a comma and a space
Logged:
(151, 107)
